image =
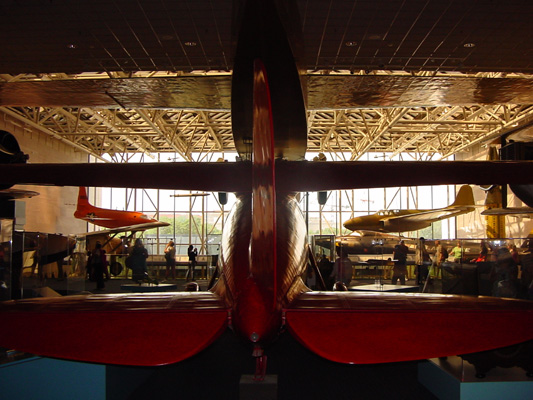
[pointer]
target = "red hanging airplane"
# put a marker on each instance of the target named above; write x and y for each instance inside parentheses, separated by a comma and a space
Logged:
(264, 246)
(112, 218)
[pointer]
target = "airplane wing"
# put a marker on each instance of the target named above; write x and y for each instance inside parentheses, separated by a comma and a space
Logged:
(131, 228)
(375, 234)
(516, 211)
(296, 176)
(13, 194)
(434, 215)
(350, 327)
(95, 218)
(131, 329)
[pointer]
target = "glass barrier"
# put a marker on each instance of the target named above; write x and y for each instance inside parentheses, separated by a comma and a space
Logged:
(34, 264)
(77, 266)
(6, 240)
(45, 263)
(488, 267)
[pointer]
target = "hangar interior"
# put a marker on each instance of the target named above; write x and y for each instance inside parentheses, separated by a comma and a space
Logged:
(65, 134)
(112, 89)
(116, 82)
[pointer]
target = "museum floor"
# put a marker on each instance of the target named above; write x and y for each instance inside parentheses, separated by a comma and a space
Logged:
(114, 285)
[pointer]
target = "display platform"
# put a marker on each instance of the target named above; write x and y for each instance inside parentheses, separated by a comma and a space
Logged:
(385, 288)
(149, 287)
(252, 389)
(452, 378)
(39, 378)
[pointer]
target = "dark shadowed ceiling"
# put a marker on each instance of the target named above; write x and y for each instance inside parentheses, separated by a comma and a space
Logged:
(167, 35)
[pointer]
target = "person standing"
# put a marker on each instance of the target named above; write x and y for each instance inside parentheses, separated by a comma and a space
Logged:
(342, 269)
(457, 253)
(483, 253)
(514, 253)
(422, 261)
(137, 260)
(170, 259)
(192, 253)
(98, 264)
(400, 263)
(441, 254)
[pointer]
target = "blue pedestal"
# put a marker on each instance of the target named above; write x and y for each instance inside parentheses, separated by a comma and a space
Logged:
(454, 379)
(46, 378)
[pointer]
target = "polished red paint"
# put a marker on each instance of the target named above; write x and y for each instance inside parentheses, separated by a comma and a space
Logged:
(336, 175)
(259, 319)
(105, 217)
(129, 329)
(297, 176)
(367, 328)
(263, 250)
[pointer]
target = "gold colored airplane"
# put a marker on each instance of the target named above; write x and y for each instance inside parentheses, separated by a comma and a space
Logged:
(412, 220)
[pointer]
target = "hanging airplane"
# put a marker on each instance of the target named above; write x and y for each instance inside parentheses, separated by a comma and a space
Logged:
(264, 250)
(125, 220)
(10, 152)
(118, 222)
(367, 242)
(412, 220)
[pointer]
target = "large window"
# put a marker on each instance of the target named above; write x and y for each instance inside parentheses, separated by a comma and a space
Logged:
(345, 204)
(198, 218)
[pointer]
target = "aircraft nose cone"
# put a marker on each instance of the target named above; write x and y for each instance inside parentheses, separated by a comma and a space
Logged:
(354, 223)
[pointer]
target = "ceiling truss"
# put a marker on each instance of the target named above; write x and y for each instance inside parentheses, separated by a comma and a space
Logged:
(434, 132)
(193, 135)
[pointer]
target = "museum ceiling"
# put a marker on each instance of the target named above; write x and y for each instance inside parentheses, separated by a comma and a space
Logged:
(433, 78)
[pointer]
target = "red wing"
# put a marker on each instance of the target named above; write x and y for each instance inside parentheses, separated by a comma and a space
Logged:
(291, 176)
(128, 329)
(368, 328)
(334, 175)
(215, 176)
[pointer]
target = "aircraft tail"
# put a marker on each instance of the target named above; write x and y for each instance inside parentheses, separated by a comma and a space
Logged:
(263, 245)
(465, 197)
(83, 199)
(259, 320)
(83, 204)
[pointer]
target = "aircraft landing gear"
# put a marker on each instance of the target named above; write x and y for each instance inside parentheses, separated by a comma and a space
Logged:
(260, 363)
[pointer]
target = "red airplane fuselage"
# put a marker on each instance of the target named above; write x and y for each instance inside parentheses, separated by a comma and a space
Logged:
(264, 246)
(105, 217)
(257, 288)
